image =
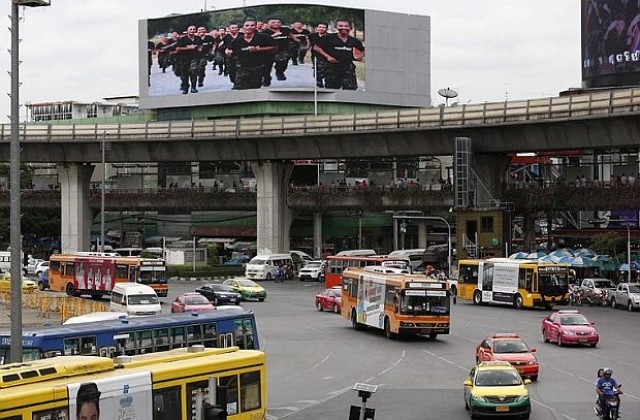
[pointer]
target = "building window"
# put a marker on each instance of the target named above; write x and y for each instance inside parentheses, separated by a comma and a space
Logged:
(92, 111)
(486, 224)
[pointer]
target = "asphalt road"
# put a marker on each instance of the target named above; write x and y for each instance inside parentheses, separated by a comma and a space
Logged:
(315, 358)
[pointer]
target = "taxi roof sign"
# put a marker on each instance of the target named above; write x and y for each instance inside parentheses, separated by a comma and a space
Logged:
(568, 311)
(495, 363)
(504, 334)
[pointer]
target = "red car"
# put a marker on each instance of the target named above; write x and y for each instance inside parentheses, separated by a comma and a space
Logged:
(330, 300)
(509, 347)
(191, 302)
(569, 327)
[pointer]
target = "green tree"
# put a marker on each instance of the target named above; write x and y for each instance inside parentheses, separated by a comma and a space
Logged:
(608, 243)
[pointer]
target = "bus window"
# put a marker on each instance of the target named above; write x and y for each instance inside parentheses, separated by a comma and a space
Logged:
(177, 337)
(130, 344)
(145, 341)
(244, 334)
(231, 382)
(250, 391)
(88, 346)
(54, 413)
(161, 339)
(194, 334)
(71, 346)
(166, 404)
(210, 335)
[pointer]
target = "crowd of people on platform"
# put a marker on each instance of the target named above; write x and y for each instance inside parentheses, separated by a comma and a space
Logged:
(519, 181)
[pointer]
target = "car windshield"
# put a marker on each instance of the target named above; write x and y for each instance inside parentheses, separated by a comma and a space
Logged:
(603, 284)
(196, 300)
(335, 292)
(247, 283)
(510, 346)
(257, 261)
(221, 287)
(574, 320)
(498, 378)
(634, 289)
(312, 264)
(142, 299)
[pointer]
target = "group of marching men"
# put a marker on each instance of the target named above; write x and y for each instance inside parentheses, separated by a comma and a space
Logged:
(248, 55)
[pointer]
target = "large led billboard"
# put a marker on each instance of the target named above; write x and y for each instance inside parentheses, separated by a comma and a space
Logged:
(610, 43)
(285, 52)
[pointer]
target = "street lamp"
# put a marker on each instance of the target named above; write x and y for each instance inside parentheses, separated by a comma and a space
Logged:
(442, 219)
(14, 174)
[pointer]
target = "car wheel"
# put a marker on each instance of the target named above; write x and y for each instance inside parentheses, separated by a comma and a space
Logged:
(216, 302)
(454, 291)
(477, 298)
(319, 278)
(559, 340)
(613, 303)
(593, 344)
(630, 306)
(260, 299)
(534, 378)
(525, 416)
(335, 309)
(319, 306)
(268, 276)
(544, 336)
(24, 271)
(40, 286)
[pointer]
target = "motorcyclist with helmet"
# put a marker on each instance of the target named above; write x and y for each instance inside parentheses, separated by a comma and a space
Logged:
(606, 386)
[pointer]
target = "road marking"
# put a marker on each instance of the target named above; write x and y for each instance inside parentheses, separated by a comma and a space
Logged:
(310, 368)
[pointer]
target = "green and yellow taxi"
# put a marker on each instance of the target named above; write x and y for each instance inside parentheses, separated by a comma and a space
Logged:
(496, 389)
(248, 289)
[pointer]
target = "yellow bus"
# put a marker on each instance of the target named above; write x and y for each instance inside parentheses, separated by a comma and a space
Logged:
(399, 303)
(168, 385)
(519, 283)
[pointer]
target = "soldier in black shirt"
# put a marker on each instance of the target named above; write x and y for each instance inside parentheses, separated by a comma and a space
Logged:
(340, 50)
(281, 57)
(299, 46)
(253, 52)
(230, 62)
(219, 59)
(205, 53)
(319, 62)
(164, 49)
(187, 59)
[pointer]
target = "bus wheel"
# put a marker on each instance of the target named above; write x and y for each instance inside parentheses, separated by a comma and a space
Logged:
(96, 296)
(387, 330)
(433, 335)
(70, 289)
(477, 298)
(517, 301)
(354, 321)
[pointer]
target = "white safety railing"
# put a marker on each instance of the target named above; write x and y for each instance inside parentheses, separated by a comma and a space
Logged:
(596, 104)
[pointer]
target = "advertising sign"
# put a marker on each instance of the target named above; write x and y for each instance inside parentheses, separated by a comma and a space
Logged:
(94, 274)
(610, 43)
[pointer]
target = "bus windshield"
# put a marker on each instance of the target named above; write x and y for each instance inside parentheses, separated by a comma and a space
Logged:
(415, 305)
(142, 300)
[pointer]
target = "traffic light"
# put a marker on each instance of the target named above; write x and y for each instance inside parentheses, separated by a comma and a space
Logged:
(214, 412)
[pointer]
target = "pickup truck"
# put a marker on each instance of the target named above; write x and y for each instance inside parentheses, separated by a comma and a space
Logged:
(593, 289)
(626, 295)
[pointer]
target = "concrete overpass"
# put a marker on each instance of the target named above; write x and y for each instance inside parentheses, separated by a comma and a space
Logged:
(601, 120)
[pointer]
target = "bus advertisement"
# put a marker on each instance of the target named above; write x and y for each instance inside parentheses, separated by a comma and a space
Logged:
(139, 335)
(175, 384)
(396, 302)
(336, 264)
(95, 274)
(519, 283)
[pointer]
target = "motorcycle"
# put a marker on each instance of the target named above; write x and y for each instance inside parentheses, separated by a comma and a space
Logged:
(597, 299)
(575, 297)
(611, 406)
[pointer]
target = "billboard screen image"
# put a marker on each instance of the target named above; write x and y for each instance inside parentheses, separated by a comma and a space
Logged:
(610, 43)
(285, 46)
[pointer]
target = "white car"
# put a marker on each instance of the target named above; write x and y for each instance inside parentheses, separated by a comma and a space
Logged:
(30, 268)
(313, 270)
(41, 268)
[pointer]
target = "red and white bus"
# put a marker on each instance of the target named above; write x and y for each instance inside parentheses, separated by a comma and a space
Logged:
(95, 274)
(336, 264)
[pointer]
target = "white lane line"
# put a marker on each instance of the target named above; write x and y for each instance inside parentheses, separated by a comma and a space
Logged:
(310, 368)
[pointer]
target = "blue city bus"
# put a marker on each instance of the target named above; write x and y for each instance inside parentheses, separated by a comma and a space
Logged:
(129, 336)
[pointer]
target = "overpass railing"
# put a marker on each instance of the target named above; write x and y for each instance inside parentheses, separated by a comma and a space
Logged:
(599, 104)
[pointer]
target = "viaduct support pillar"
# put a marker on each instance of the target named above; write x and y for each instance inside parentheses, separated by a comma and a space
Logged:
(317, 235)
(76, 217)
(422, 234)
(273, 216)
(491, 171)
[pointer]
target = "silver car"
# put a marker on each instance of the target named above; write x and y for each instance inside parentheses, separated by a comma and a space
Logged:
(626, 295)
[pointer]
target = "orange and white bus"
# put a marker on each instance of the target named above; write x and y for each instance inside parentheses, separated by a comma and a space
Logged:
(95, 274)
(398, 303)
(336, 264)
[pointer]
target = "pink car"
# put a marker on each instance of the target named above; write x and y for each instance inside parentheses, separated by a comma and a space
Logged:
(569, 327)
(191, 302)
(329, 300)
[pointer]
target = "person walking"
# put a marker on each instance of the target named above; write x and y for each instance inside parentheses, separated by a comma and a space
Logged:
(280, 59)
(319, 61)
(204, 54)
(187, 58)
(341, 50)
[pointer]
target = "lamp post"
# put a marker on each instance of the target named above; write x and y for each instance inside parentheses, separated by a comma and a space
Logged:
(442, 219)
(14, 174)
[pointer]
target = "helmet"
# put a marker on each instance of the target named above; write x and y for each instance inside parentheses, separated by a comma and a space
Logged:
(608, 371)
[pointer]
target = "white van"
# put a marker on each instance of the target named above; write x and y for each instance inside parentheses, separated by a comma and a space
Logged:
(415, 255)
(263, 267)
(134, 299)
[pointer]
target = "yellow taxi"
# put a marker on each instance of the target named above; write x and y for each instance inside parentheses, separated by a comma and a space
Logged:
(28, 286)
(496, 389)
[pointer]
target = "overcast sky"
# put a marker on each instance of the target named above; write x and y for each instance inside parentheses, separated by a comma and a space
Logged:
(486, 50)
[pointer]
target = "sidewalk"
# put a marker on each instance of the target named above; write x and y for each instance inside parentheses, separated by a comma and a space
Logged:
(30, 319)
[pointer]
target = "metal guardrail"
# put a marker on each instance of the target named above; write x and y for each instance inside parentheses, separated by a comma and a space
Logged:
(600, 104)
